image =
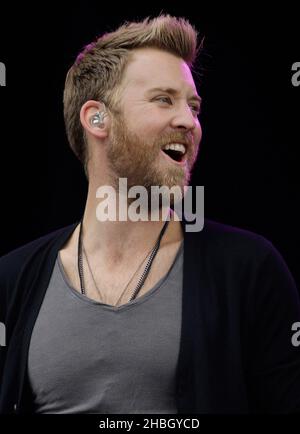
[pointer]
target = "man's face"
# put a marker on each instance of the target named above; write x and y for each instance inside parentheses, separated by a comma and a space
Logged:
(159, 106)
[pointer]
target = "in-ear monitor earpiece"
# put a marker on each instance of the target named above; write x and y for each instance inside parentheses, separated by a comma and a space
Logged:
(98, 119)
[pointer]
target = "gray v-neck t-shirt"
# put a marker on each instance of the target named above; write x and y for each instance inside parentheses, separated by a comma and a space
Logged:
(90, 357)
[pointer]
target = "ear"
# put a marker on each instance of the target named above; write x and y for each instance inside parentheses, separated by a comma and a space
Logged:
(89, 113)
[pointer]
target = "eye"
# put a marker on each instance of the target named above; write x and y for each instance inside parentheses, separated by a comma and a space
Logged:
(164, 99)
(196, 109)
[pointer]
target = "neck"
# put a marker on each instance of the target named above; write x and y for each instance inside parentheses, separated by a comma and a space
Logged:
(116, 241)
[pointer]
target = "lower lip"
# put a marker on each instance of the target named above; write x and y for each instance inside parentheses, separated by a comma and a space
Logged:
(179, 163)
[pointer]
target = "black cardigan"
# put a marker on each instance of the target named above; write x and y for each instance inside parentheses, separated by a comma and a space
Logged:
(239, 303)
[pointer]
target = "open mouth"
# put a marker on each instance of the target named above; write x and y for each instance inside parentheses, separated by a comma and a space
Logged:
(175, 151)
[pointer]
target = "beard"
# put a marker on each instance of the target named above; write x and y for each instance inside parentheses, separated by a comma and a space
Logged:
(140, 162)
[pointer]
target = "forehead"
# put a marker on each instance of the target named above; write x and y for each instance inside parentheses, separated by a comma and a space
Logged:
(150, 67)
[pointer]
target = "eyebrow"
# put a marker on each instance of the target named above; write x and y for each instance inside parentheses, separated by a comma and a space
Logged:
(174, 92)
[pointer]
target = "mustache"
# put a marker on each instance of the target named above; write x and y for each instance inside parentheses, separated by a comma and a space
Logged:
(177, 137)
(185, 138)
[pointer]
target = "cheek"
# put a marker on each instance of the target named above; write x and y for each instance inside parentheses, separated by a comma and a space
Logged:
(141, 121)
(148, 127)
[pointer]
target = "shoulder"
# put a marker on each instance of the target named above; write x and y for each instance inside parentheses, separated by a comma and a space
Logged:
(230, 241)
(250, 258)
(229, 250)
(12, 263)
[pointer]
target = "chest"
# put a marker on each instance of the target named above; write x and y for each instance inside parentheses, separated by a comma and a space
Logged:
(114, 286)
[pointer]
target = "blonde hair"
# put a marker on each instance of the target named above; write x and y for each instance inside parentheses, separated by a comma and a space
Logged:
(98, 70)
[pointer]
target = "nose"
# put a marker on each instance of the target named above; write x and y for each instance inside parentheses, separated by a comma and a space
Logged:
(184, 118)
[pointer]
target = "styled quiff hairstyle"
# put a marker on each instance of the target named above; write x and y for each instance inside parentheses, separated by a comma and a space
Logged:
(98, 70)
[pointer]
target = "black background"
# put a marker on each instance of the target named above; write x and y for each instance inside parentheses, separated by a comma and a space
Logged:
(249, 158)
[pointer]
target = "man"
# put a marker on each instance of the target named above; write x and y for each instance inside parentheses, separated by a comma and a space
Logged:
(143, 316)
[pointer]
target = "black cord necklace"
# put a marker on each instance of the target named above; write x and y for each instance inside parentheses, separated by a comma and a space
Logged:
(144, 274)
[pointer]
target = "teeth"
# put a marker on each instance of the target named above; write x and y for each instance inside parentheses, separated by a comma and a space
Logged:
(175, 147)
